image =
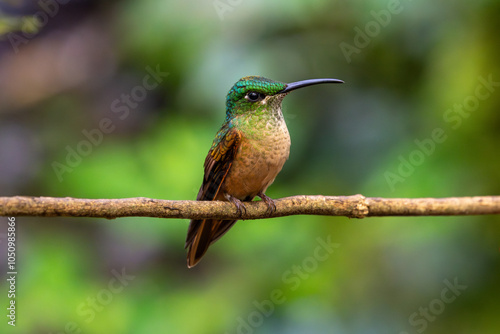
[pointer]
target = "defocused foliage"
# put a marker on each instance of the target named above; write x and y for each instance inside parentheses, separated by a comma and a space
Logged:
(74, 78)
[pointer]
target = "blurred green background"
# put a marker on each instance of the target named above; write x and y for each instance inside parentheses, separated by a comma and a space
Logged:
(418, 116)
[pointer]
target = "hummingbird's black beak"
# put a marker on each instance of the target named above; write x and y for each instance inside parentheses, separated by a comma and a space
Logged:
(305, 83)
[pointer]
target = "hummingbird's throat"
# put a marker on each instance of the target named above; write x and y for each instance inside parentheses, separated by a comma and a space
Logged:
(274, 104)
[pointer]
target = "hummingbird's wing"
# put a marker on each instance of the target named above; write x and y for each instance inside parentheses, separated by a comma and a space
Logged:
(218, 162)
(202, 233)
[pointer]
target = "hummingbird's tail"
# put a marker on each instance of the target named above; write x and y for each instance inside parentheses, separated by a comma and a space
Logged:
(201, 234)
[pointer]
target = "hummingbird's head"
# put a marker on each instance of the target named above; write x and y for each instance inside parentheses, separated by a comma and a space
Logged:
(252, 93)
(259, 94)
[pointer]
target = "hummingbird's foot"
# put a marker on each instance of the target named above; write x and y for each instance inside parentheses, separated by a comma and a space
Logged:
(240, 207)
(271, 206)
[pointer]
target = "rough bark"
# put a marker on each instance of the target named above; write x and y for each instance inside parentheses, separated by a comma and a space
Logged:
(356, 206)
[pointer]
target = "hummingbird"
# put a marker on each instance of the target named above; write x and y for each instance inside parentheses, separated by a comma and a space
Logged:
(247, 154)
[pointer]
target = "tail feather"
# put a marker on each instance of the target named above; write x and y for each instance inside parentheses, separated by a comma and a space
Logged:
(203, 233)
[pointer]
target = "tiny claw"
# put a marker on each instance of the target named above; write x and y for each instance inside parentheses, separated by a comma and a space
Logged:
(271, 206)
(240, 207)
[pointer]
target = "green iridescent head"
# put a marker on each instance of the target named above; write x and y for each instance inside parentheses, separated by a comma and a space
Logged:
(249, 92)
(255, 93)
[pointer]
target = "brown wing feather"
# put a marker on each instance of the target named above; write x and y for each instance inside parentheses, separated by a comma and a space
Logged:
(217, 164)
(202, 233)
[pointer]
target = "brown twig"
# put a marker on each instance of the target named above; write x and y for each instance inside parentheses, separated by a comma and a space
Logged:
(356, 206)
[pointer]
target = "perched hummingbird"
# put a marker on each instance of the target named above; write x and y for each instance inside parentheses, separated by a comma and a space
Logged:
(248, 152)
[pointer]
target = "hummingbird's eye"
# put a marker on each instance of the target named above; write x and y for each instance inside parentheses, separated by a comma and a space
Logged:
(254, 96)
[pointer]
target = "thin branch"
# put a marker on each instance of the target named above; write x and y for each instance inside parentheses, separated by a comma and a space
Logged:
(356, 206)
